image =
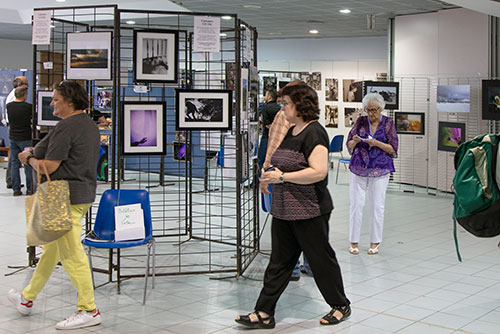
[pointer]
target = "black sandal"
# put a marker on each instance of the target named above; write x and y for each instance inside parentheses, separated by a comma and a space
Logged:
(332, 320)
(260, 324)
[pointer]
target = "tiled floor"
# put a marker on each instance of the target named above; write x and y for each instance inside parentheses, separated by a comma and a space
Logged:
(414, 285)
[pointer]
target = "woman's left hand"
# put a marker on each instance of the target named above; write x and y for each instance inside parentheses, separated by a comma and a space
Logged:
(272, 176)
(372, 142)
(23, 155)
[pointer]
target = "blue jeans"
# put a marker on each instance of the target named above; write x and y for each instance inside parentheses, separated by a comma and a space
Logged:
(16, 147)
(307, 268)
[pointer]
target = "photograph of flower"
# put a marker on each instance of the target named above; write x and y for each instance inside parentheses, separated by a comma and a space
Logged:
(147, 134)
(491, 99)
(331, 116)
(412, 123)
(181, 151)
(389, 91)
(156, 55)
(451, 135)
(453, 98)
(89, 55)
(198, 109)
(45, 111)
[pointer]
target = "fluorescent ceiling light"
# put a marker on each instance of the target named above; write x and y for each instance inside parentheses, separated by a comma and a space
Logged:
(226, 17)
(252, 5)
(130, 22)
(313, 31)
(222, 34)
(345, 11)
(61, 0)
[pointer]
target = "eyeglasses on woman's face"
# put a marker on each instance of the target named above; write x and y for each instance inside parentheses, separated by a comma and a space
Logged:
(372, 110)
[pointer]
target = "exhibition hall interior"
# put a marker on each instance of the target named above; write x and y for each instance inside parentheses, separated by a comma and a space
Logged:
(185, 97)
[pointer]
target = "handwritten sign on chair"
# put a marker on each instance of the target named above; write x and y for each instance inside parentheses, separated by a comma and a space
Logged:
(129, 222)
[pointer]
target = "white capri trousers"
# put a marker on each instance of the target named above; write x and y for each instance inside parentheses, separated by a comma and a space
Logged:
(376, 188)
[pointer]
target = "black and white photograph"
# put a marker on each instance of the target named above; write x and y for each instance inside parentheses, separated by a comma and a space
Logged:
(352, 90)
(89, 55)
(351, 115)
(388, 89)
(45, 111)
(244, 94)
(453, 98)
(203, 109)
(156, 56)
(331, 116)
(147, 134)
(331, 90)
(269, 83)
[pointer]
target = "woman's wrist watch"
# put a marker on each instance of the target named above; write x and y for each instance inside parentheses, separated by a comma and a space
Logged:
(282, 178)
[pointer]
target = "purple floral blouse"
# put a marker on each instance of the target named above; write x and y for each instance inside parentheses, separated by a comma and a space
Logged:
(372, 161)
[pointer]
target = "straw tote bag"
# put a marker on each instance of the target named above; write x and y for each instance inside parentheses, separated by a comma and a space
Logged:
(48, 211)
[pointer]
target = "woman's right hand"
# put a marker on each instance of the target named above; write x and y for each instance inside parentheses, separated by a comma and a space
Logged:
(264, 187)
(356, 139)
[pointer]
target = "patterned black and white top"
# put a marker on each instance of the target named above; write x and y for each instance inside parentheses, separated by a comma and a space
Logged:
(292, 201)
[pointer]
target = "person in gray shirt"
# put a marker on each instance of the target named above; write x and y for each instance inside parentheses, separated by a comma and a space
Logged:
(69, 152)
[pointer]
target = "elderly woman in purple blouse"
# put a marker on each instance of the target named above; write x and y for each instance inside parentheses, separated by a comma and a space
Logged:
(373, 143)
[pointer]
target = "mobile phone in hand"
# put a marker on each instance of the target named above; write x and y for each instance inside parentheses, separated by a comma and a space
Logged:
(270, 168)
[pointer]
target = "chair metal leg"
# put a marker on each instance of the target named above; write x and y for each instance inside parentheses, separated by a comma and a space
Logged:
(147, 274)
(154, 262)
(91, 267)
(337, 178)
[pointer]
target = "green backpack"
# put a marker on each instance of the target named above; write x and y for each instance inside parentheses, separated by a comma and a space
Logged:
(477, 196)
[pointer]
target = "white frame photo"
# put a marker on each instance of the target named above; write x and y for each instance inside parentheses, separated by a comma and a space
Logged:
(159, 128)
(182, 117)
(99, 40)
(42, 121)
(166, 52)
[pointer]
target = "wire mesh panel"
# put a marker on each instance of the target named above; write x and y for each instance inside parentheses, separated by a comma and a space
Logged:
(202, 184)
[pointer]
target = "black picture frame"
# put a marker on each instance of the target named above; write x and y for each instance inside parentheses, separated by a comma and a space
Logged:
(389, 89)
(45, 115)
(181, 151)
(406, 123)
(449, 140)
(148, 134)
(198, 109)
(491, 107)
(89, 55)
(165, 40)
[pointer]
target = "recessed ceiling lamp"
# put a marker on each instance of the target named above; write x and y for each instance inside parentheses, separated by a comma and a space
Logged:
(222, 34)
(130, 22)
(274, 33)
(252, 5)
(345, 11)
(61, 0)
(226, 17)
(313, 31)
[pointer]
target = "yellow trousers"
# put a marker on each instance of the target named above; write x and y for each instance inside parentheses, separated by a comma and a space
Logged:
(69, 250)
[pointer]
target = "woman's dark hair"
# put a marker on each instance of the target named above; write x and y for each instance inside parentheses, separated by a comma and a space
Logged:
(305, 100)
(72, 91)
(273, 94)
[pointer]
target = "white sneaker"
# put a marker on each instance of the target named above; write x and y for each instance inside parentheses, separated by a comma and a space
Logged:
(23, 306)
(80, 319)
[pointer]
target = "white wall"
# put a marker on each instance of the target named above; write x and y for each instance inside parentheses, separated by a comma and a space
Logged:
(449, 47)
(15, 54)
(340, 58)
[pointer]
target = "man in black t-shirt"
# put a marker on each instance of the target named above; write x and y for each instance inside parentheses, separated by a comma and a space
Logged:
(19, 113)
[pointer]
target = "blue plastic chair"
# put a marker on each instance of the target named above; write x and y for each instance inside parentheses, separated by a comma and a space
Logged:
(341, 161)
(104, 228)
(337, 145)
(266, 200)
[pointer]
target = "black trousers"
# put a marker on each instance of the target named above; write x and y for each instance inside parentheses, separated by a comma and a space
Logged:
(289, 239)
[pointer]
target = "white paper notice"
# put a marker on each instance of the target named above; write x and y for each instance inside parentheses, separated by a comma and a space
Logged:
(41, 27)
(206, 34)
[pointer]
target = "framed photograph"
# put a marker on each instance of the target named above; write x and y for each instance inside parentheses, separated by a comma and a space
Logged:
(269, 84)
(103, 101)
(143, 128)
(331, 90)
(230, 76)
(351, 115)
(198, 109)
(352, 90)
(491, 99)
(88, 55)
(331, 116)
(156, 56)
(45, 111)
(388, 89)
(411, 123)
(453, 98)
(181, 151)
(451, 135)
